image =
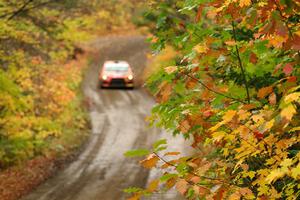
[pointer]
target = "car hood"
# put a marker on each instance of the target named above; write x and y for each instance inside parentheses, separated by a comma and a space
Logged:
(117, 73)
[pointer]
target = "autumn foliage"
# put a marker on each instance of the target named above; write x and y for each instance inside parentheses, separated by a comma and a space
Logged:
(234, 91)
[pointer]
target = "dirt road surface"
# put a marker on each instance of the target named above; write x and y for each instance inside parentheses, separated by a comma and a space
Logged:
(118, 125)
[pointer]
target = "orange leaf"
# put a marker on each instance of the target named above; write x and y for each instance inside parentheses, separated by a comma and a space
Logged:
(153, 186)
(172, 153)
(196, 179)
(150, 161)
(191, 84)
(230, 43)
(135, 197)
(272, 99)
(263, 92)
(182, 186)
(170, 183)
(184, 126)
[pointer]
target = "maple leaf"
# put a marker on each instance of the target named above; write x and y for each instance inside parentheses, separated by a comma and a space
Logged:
(296, 172)
(244, 3)
(288, 69)
(182, 186)
(292, 97)
(184, 126)
(230, 43)
(150, 161)
(217, 136)
(171, 69)
(265, 91)
(288, 112)
(201, 48)
(153, 186)
(274, 175)
(170, 183)
(273, 99)
(228, 116)
(253, 58)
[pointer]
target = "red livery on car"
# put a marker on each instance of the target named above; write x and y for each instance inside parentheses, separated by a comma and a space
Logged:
(116, 74)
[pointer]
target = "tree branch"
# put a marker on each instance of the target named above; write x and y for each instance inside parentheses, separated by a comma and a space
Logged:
(20, 10)
(240, 63)
(216, 92)
(24, 8)
(192, 173)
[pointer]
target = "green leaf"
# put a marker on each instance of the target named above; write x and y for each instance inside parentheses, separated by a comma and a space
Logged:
(167, 177)
(137, 153)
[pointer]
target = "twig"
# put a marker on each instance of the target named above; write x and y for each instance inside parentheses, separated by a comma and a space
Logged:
(241, 64)
(20, 10)
(192, 173)
(24, 8)
(216, 92)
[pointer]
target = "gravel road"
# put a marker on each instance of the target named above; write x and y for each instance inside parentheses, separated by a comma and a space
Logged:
(118, 124)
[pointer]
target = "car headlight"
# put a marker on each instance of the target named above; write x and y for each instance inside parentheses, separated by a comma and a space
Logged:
(130, 77)
(104, 77)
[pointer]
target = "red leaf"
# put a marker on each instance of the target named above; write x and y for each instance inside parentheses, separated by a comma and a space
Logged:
(296, 43)
(288, 69)
(258, 135)
(292, 79)
(253, 58)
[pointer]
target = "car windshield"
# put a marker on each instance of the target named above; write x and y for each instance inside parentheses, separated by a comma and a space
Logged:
(122, 68)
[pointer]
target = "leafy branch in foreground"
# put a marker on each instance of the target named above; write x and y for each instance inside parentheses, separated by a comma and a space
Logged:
(234, 91)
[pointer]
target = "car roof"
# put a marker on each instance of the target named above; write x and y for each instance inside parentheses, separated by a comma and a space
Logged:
(116, 62)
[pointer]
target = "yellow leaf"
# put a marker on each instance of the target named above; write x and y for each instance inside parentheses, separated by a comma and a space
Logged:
(244, 3)
(150, 161)
(225, 152)
(217, 136)
(288, 112)
(217, 126)
(295, 129)
(292, 97)
(274, 175)
(201, 48)
(228, 116)
(269, 124)
(286, 163)
(296, 172)
(153, 186)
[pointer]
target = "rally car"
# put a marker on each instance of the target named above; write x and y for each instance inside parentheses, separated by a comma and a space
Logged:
(116, 74)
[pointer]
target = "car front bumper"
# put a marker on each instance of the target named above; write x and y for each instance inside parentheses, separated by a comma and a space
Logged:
(117, 83)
